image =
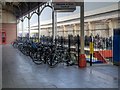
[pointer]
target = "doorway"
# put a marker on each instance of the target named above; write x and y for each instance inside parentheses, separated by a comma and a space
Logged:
(3, 37)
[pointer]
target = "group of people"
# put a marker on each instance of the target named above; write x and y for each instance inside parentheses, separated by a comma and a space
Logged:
(99, 42)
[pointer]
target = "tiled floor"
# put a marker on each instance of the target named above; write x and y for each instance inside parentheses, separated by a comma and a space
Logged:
(18, 71)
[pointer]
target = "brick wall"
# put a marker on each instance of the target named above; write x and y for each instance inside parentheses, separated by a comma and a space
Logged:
(10, 29)
(9, 26)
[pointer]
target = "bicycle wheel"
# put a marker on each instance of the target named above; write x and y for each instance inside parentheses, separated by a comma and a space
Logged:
(43, 57)
(65, 58)
(20, 47)
(73, 59)
(26, 51)
(52, 60)
(14, 44)
(37, 58)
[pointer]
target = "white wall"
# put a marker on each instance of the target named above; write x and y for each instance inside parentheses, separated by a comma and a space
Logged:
(8, 17)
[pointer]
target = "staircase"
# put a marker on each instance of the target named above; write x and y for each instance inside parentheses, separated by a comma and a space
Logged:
(99, 56)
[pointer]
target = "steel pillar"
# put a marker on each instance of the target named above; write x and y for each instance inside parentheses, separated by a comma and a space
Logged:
(39, 27)
(82, 27)
(53, 25)
(22, 28)
(29, 24)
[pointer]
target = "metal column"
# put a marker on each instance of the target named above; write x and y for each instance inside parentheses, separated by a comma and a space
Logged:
(22, 28)
(82, 60)
(53, 25)
(82, 27)
(55, 13)
(29, 24)
(38, 23)
(39, 27)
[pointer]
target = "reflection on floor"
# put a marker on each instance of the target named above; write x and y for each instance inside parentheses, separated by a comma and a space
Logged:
(20, 72)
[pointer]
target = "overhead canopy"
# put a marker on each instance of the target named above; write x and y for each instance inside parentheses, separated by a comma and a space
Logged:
(21, 8)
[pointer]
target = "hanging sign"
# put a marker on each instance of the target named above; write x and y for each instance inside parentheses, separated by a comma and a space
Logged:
(64, 6)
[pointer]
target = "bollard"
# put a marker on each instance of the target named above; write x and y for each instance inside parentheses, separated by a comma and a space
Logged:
(91, 50)
(82, 61)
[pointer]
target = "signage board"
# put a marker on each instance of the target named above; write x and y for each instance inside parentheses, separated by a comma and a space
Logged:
(64, 6)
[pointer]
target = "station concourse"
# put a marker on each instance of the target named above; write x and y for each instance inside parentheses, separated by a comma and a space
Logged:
(76, 51)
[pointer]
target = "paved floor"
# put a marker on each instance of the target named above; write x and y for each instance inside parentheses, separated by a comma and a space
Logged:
(18, 71)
